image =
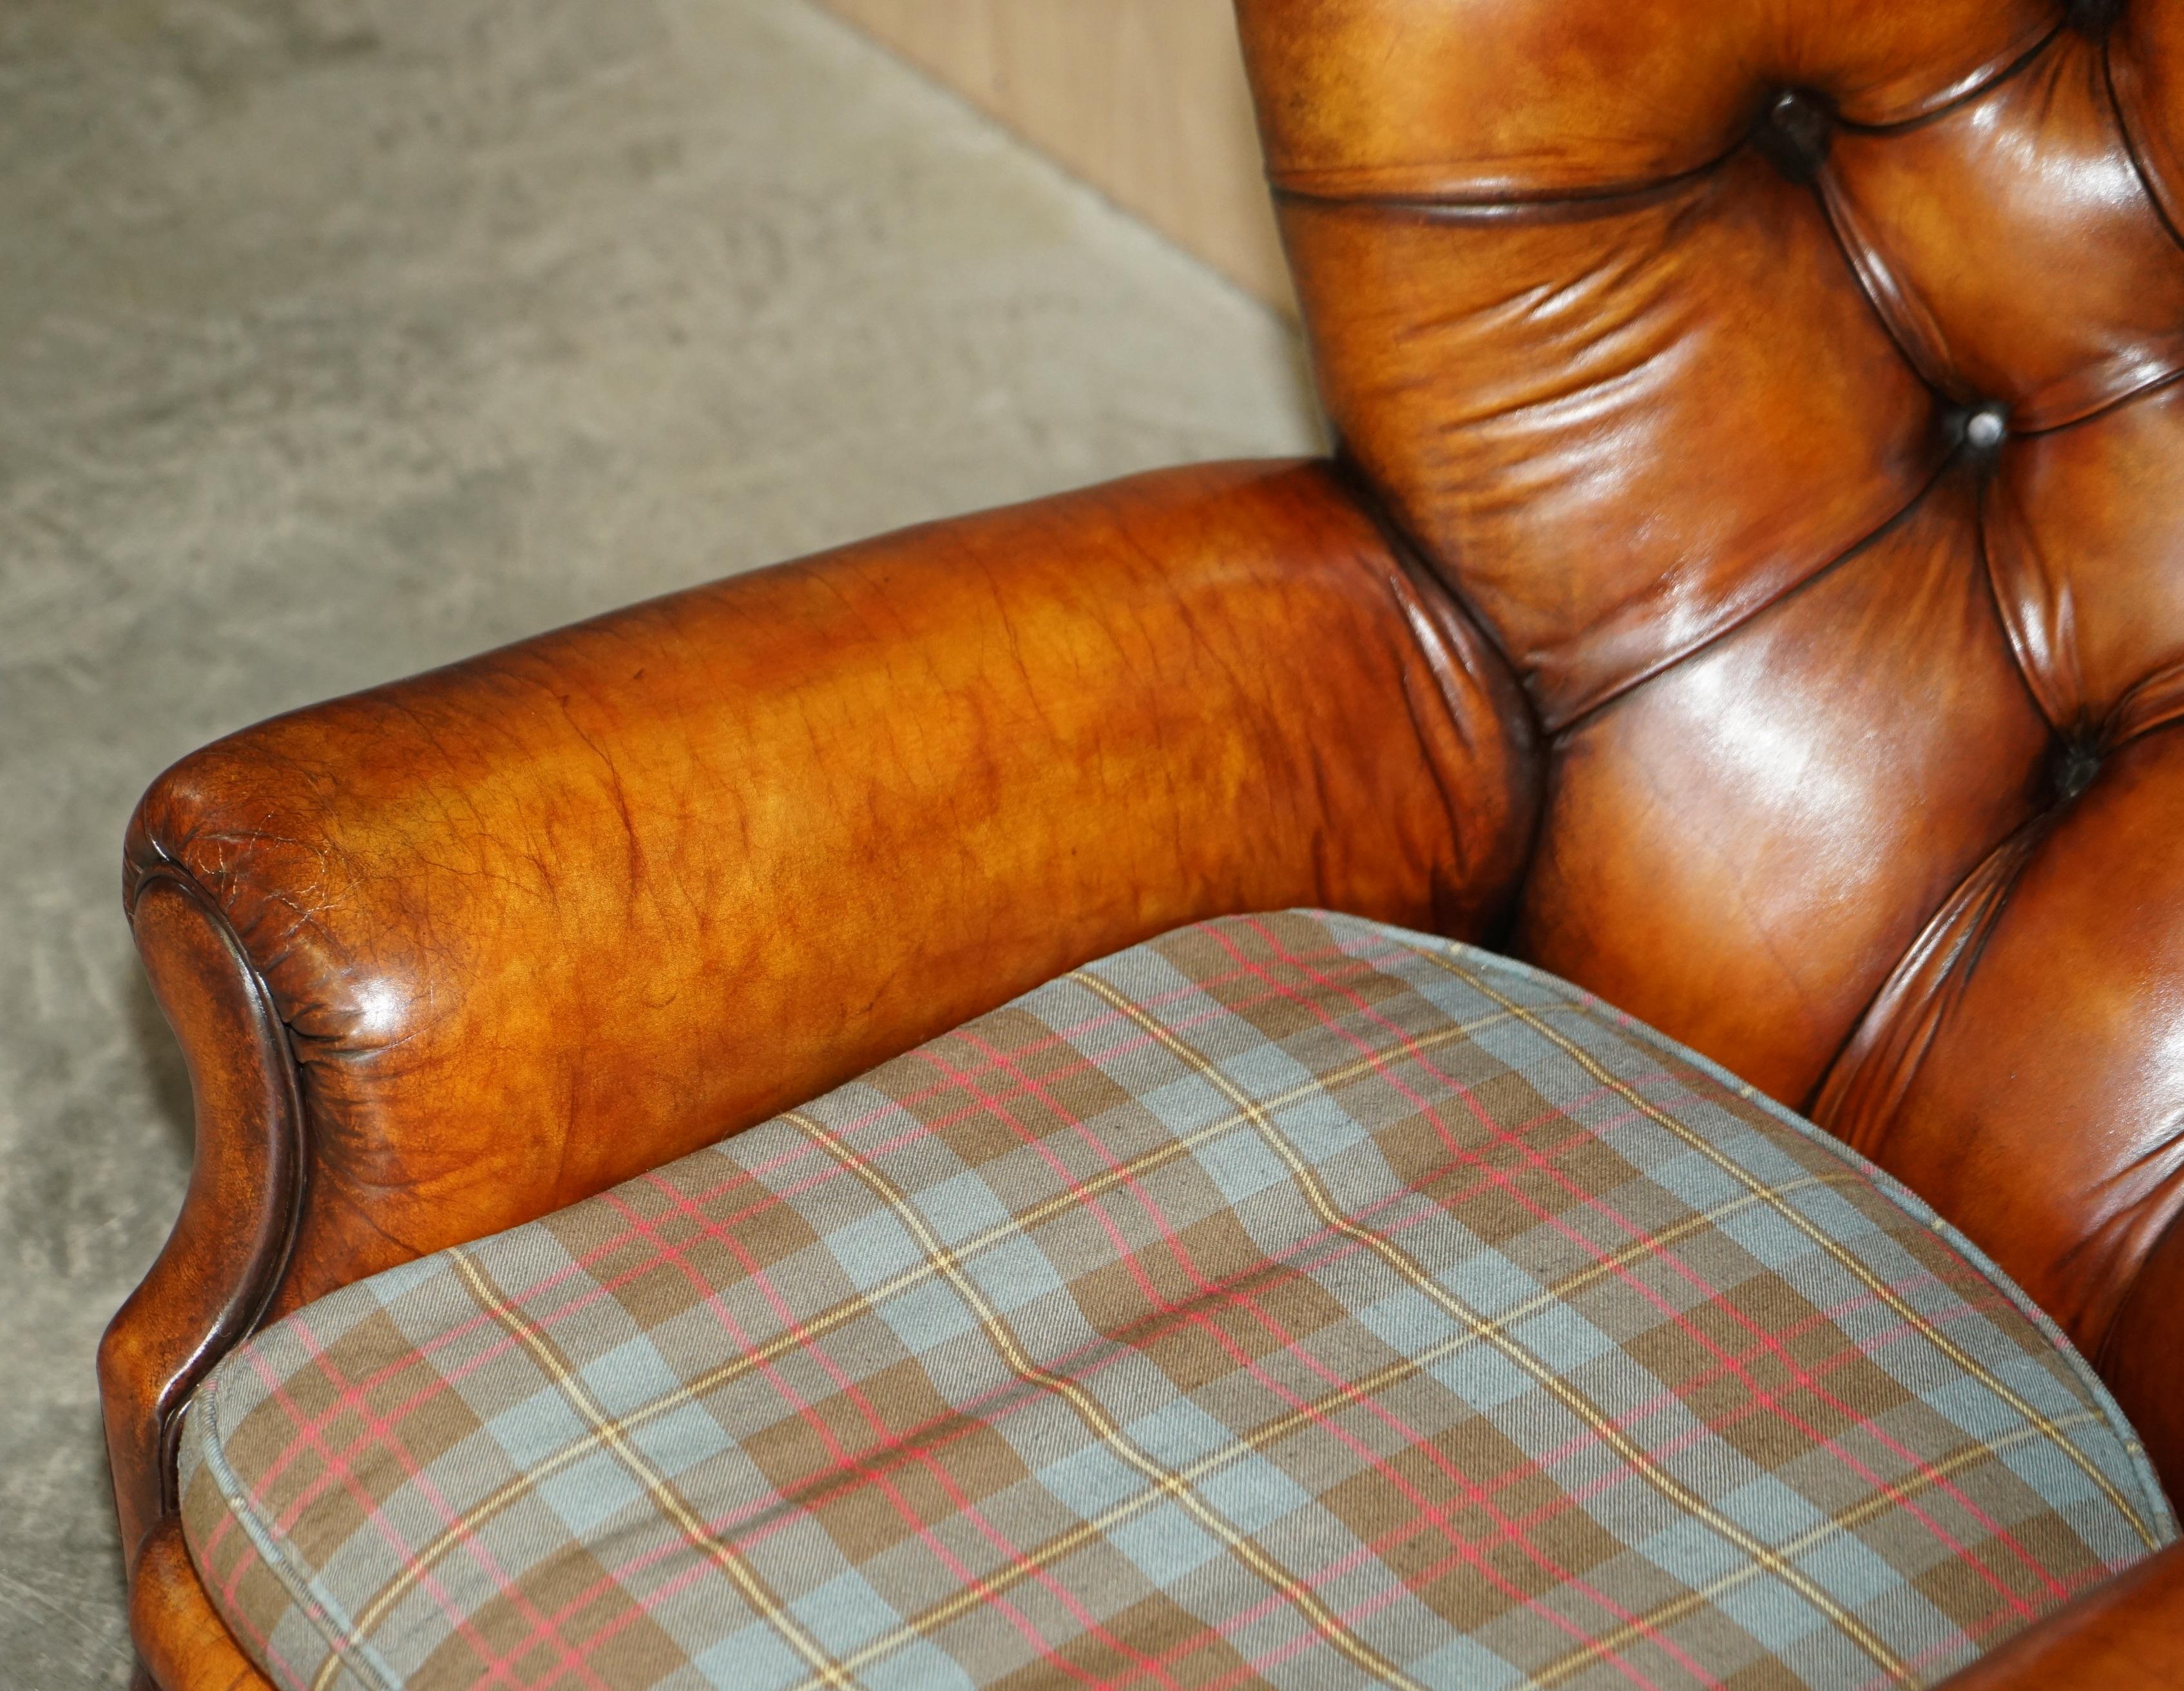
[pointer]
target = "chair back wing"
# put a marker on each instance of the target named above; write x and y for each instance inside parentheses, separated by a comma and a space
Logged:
(1788, 388)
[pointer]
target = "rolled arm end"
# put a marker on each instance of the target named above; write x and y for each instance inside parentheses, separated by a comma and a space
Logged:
(535, 923)
(223, 1264)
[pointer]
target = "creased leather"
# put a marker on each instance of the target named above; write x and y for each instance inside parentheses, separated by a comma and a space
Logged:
(1791, 391)
(544, 920)
(1771, 412)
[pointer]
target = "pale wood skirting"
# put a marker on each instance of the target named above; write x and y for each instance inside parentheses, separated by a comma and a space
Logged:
(1143, 98)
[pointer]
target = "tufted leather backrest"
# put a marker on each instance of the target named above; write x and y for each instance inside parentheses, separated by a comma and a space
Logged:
(1788, 387)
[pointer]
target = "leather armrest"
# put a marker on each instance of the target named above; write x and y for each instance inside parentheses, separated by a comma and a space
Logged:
(451, 953)
(545, 919)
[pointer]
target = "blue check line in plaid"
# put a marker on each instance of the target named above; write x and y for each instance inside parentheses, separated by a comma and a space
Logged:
(1289, 1301)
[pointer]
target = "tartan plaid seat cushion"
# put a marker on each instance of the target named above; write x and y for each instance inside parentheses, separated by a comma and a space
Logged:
(1289, 1301)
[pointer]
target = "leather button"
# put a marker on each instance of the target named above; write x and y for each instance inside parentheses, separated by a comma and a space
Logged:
(1794, 134)
(1984, 427)
(2071, 770)
(2093, 18)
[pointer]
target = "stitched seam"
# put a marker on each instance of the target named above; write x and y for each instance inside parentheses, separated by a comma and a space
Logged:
(2162, 1512)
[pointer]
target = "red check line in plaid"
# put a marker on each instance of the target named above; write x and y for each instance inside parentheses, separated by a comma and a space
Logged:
(1506, 1530)
(846, 1465)
(739, 1179)
(1427, 1106)
(801, 1151)
(1291, 1300)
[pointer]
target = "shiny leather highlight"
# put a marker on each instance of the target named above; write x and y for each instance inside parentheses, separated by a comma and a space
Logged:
(545, 919)
(2042, 1115)
(222, 1265)
(1787, 389)
(1754, 543)
(2012, 245)
(1577, 412)
(1805, 789)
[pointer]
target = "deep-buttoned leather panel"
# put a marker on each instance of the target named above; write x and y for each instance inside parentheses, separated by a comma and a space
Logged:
(2085, 527)
(1619, 426)
(1641, 320)
(1860, 743)
(1498, 98)
(556, 915)
(2041, 1114)
(2011, 243)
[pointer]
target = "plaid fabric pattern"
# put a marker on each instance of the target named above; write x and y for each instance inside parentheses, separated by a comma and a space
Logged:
(1291, 1300)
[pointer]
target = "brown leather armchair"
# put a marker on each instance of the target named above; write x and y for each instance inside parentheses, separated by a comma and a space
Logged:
(1753, 543)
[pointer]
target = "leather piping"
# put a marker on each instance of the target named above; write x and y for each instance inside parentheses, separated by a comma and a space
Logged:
(1297, 184)
(257, 1280)
(1569, 201)
(1964, 97)
(2131, 149)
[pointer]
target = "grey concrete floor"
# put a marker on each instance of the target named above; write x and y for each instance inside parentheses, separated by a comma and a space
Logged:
(340, 337)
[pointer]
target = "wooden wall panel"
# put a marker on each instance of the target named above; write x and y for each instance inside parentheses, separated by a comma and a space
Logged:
(1144, 98)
